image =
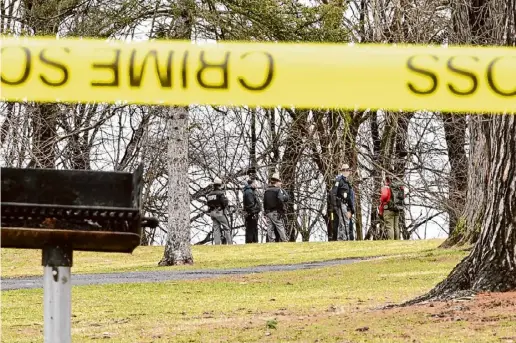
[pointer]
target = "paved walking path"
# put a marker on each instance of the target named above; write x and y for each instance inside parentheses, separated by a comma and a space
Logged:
(168, 275)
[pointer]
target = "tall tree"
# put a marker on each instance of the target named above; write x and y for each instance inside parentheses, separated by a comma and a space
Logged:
(178, 248)
(475, 22)
(491, 265)
(43, 18)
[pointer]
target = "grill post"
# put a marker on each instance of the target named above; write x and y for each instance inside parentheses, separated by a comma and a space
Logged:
(57, 294)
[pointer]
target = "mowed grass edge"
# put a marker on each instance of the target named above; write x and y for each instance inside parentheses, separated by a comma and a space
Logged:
(21, 262)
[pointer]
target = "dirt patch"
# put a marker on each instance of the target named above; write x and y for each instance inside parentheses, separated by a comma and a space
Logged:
(484, 307)
(481, 312)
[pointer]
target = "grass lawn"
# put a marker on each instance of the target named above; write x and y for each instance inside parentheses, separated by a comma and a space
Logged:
(16, 262)
(333, 304)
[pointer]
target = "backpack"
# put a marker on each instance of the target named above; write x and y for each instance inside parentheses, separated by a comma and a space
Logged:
(396, 202)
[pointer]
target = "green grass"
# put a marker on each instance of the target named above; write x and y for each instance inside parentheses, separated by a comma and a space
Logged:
(318, 305)
(16, 262)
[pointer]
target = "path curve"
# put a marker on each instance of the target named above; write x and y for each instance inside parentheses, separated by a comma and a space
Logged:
(169, 275)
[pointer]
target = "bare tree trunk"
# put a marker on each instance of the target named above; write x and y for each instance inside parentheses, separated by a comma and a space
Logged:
(291, 156)
(252, 151)
(455, 132)
(351, 155)
(374, 232)
(44, 18)
(491, 266)
(44, 124)
(274, 144)
(178, 246)
(400, 162)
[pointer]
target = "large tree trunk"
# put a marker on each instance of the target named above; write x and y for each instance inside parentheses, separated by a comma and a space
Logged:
(288, 171)
(178, 246)
(490, 209)
(477, 22)
(467, 228)
(455, 133)
(491, 266)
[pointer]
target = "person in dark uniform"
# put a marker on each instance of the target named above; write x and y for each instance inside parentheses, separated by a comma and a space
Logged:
(252, 208)
(343, 204)
(217, 204)
(274, 200)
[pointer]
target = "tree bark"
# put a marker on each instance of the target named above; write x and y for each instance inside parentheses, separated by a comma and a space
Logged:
(374, 232)
(490, 209)
(455, 133)
(351, 156)
(288, 171)
(44, 18)
(467, 228)
(477, 22)
(400, 162)
(178, 249)
(491, 266)
(274, 143)
(252, 150)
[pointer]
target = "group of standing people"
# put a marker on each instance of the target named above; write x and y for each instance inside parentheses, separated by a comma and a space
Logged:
(274, 203)
(341, 201)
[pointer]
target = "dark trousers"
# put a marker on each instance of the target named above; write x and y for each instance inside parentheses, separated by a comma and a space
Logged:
(251, 229)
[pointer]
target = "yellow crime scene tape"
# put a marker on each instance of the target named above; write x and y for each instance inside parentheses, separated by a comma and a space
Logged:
(304, 75)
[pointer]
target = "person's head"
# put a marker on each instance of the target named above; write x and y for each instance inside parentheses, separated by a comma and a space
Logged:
(252, 183)
(217, 183)
(345, 170)
(387, 180)
(275, 180)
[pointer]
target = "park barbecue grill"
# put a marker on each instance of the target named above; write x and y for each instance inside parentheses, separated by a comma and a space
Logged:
(59, 211)
(86, 210)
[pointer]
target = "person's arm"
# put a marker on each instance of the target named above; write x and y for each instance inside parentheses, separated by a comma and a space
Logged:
(258, 203)
(283, 196)
(385, 195)
(224, 200)
(249, 201)
(351, 202)
(384, 199)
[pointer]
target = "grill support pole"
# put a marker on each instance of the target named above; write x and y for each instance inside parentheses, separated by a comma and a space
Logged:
(57, 295)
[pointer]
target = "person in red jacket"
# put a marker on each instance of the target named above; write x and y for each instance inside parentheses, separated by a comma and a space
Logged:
(390, 216)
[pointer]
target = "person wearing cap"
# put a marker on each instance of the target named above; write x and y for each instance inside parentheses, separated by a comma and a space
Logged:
(217, 203)
(274, 200)
(343, 204)
(252, 208)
